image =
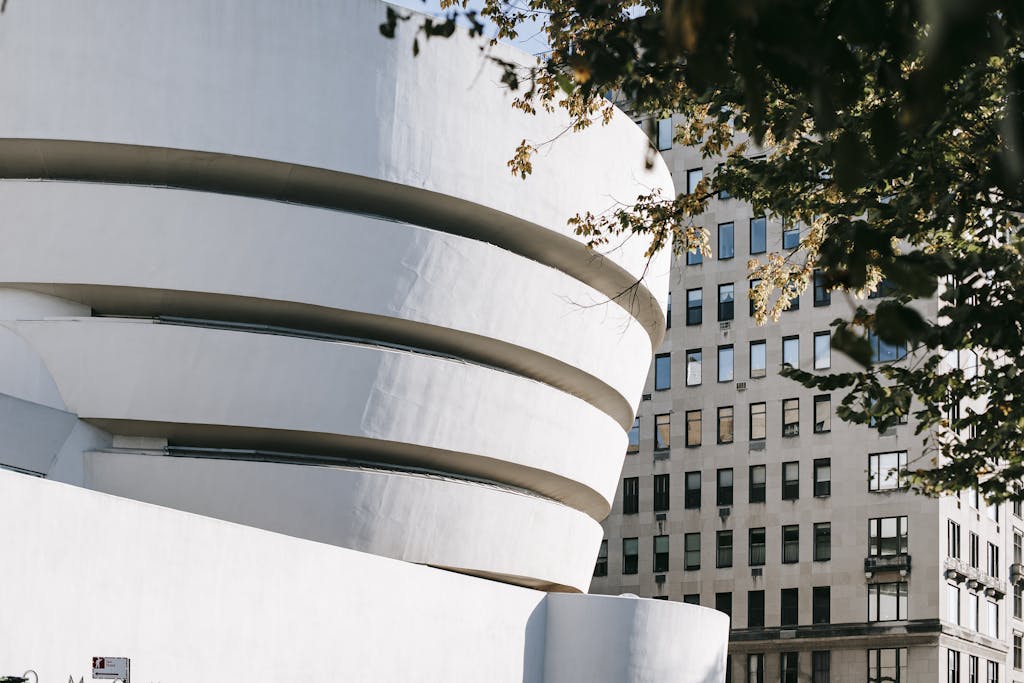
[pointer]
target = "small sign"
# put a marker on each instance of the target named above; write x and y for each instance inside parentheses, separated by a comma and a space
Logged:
(111, 667)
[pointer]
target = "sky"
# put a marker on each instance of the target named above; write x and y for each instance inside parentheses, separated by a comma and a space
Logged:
(531, 41)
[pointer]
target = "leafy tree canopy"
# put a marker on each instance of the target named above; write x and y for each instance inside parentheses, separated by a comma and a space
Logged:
(891, 130)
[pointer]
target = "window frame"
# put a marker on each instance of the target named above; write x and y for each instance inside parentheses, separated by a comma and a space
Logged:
(726, 301)
(757, 492)
(790, 544)
(724, 492)
(759, 237)
(759, 419)
(791, 485)
(663, 372)
(662, 490)
(729, 351)
(822, 426)
(723, 548)
(822, 530)
(726, 230)
(689, 497)
(630, 568)
(822, 486)
(758, 373)
(827, 362)
(689, 552)
(659, 444)
(694, 359)
(694, 306)
(699, 422)
(630, 495)
(726, 416)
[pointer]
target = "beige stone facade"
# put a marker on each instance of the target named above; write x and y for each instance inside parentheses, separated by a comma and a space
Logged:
(916, 638)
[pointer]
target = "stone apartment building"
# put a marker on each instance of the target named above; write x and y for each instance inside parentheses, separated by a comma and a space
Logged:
(742, 491)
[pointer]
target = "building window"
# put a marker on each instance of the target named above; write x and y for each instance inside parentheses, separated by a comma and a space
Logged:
(821, 605)
(790, 480)
(630, 495)
(1018, 599)
(822, 541)
(953, 603)
(952, 666)
(1016, 509)
(788, 667)
(601, 566)
(724, 487)
(750, 294)
(758, 235)
(758, 421)
(993, 671)
(884, 288)
(791, 417)
(794, 302)
(694, 257)
(662, 372)
(726, 241)
(693, 177)
(993, 619)
(693, 427)
(755, 609)
(755, 668)
(887, 601)
(790, 613)
(791, 352)
(756, 551)
(661, 491)
(694, 306)
(722, 193)
(993, 560)
(634, 438)
(972, 611)
(822, 477)
(888, 665)
(662, 432)
(630, 555)
(664, 134)
(790, 234)
(694, 361)
(758, 359)
(726, 301)
(790, 544)
(692, 598)
(822, 413)
(884, 352)
(822, 294)
(1018, 650)
(887, 536)
(973, 552)
(725, 370)
(668, 312)
(822, 350)
(725, 424)
(692, 499)
(953, 539)
(758, 485)
(821, 666)
(723, 553)
(723, 603)
(661, 554)
(691, 551)
(886, 471)
(972, 669)
(1018, 547)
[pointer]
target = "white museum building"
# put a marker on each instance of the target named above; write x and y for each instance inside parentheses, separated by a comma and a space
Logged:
(297, 381)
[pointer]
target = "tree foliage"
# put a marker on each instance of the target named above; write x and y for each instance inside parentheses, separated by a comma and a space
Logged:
(890, 130)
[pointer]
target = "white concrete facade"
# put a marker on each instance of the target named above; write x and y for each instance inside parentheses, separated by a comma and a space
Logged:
(265, 268)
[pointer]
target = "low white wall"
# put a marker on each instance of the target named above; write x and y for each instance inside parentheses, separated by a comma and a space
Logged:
(190, 598)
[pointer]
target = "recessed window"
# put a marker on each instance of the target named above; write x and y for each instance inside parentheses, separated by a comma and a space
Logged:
(972, 669)
(758, 483)
(724, 497)
(952, 666)
(993, 560)
(791, 351)
(790, 234)
(821, 666)
(726, 241)
(1018, 650)
(790, 480)
(993, 670)
(886, 471)
(758, 358)
(662, 372)
(953, 604)
(692, 598)
(725, 365)
(694, 364)
(822, 413)
(821, 605)
(601, 566)
(661, 553)
(634, 438)
(972, 549)
(887, 536)
(823, 542)
(952, 539)
(754, 284)
(758, 235)
(885, 352)
(822, 294)
(630, 555)
(691, 501)
(691, 551)
(693, 428)
(790, 612)
(822, 350)
(972, 611)
(726, 301)
(887, 601)
(755, 668)
(662, 432)
(756, 552)
(758, 421)
(723, 603)
(794, 302)
(693, 176)
(885, 288)
(694, 306)
(723, 552)
(630, 495)
(755, 609)
(661, 492)
(789, 666)
(822, 477)
(790, 544)
(665, 134)
(791, 417)
(668, 312)
(725, 424)
(890, 665)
